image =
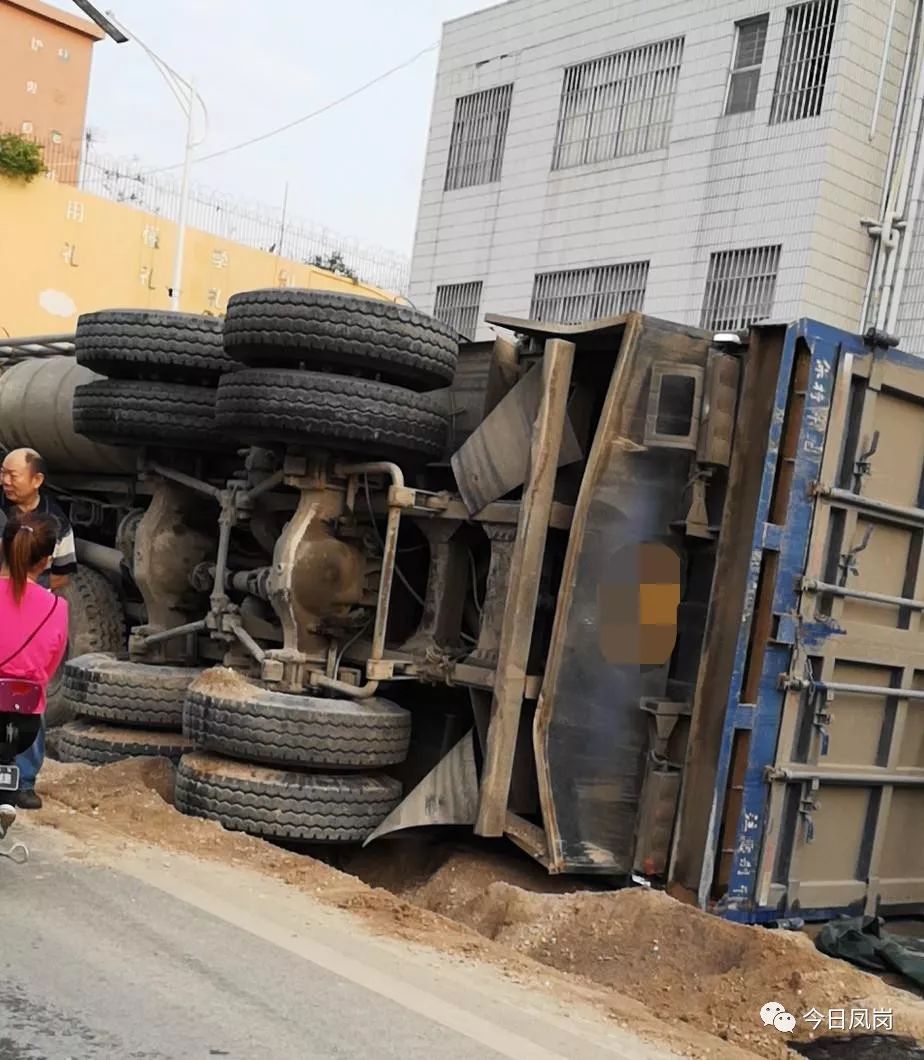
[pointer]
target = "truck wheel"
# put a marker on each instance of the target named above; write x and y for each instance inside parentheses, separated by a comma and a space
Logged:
(107, 689)
(98, 745)
(335, 412)
(152, 344)
(255, 724)
(341, 333)
(96, 624)
(310, 808)
(135, 412)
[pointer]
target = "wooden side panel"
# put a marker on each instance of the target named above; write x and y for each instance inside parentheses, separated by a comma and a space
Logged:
(523, 588)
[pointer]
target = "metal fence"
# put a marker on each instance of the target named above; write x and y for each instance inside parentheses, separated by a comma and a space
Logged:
(253, 224)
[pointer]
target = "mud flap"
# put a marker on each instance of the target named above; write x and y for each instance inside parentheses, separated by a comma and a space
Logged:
(447, 795)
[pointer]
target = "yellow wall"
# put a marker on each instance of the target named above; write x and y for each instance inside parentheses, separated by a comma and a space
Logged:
(64, 252)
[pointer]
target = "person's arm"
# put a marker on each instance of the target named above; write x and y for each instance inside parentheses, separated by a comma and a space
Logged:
(60, 650)
(59, 632)
(63, 561)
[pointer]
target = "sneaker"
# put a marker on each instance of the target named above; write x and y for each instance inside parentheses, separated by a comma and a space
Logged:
(29, 799)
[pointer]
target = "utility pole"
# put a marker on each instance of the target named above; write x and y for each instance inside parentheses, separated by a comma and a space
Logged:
(184, 92)
(177, 282)
(282, 225)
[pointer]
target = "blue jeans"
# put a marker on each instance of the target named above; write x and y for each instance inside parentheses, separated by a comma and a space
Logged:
(31, 761)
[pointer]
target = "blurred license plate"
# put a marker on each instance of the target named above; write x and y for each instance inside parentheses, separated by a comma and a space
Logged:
(9, 778)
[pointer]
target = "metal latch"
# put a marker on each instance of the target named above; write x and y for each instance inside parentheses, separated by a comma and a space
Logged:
(808, 805)
(822, 720)
(863, 466)
(848, 563)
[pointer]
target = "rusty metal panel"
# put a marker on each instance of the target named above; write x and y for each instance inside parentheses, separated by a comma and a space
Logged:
(496, 458)
(591, 733)
(819, 790)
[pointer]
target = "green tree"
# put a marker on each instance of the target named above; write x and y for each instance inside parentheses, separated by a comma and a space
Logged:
(334, 263)
(20, 158)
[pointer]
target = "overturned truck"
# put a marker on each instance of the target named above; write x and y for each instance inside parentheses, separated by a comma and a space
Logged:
(644, 600)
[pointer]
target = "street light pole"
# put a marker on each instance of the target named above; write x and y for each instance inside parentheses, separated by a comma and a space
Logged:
(177, 282)
(184, 92)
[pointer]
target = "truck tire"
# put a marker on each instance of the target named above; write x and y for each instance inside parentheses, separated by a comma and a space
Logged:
(152, 344)
(98, 745)
(259, 725)
(261, 405)
(341, 333)
(96, 624)
(304, 807)
(136, 412)
(103, 688)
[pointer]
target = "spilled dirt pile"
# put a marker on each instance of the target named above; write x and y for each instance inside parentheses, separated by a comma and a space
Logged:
(135, 799)
(683, 964)
(695, 974)
(223, 682)
(447, 877)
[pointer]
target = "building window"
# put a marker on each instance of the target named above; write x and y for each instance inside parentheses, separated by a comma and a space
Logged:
(458, 305)
(740, 288)
(750, 41)
(800, 80)
(619, 105)
(479, 134)
(576, 295)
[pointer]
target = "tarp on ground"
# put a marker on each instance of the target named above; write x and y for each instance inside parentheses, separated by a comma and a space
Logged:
(864, 942)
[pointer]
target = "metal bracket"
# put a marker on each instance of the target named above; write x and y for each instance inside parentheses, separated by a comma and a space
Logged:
(696, 523)
(380, 669)
(665, 714)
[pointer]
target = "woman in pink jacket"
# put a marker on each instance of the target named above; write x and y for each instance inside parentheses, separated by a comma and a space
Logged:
(33, 621)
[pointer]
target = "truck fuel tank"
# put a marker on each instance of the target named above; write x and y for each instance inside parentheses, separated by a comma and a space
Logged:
(36, 404)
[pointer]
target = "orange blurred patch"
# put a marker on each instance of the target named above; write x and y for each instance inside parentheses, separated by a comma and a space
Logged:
(638, 614)
(658, 604)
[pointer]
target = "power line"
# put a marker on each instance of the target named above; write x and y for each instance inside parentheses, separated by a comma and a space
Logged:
(308, 117)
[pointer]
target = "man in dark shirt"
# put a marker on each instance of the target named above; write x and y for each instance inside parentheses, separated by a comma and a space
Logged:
(22, 476)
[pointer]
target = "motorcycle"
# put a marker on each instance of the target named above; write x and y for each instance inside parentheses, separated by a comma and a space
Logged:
(20, 721)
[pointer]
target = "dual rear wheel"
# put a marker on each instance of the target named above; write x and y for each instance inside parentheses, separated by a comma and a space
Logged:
(286, 367)
(324, 787)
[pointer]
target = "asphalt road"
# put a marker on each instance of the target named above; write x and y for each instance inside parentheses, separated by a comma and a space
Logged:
(153, 956)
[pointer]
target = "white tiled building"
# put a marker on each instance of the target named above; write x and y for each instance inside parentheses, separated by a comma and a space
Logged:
(709, 161)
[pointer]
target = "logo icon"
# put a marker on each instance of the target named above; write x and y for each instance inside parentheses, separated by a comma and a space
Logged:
(773, 1014)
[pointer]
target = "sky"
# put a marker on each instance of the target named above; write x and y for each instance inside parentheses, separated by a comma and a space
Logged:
(261, 63)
